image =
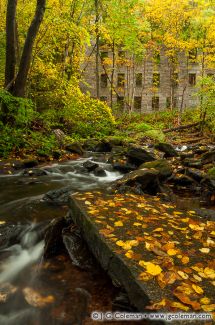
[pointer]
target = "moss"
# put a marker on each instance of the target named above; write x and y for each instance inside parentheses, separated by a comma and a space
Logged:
(211, 173)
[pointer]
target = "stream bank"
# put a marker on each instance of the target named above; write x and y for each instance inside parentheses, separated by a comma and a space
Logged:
(41, 193)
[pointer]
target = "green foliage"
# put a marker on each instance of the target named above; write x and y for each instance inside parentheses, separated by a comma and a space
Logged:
(88, 117)
(142, 127)
(157, 135)
(211, 173)
(43, 144)
(11, 140)
(21, 110)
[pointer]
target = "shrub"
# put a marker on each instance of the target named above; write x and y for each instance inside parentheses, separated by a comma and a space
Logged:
(21, 111)
(88, 117)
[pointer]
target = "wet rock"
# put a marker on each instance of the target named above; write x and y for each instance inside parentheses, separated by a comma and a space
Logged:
(59, 196)
(162, 166)
(100, 172)
(103, 147)
(10, 234)
(210, 183)
(30, 163)
(200, 150)
(90, 166)
(18, 165)
(182, 180)
(75, 148)
(60, 136)
(192, 163)
(56, 154)
(53, 238)
(123, 168)
(185, 155)
(138, 156)
(167, 149)
(208, 157)
(146, 179)
(122, 303)
(129, 189)
(34, 172)
(206, 214)
(195, 174)
(77, 248)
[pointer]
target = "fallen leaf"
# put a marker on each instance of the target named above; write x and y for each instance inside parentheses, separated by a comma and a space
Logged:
(209, 273)
(35, 299)
(157, 305)
(172, 252)
(183, 275)
(118, 224)
(205, 250)
(208, 308)
(185, 260)
(205, 301)
(179, 305)
(197, 289)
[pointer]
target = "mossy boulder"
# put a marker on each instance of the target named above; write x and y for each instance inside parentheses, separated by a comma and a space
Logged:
(138, 155)
(167, 148)
(162, 166)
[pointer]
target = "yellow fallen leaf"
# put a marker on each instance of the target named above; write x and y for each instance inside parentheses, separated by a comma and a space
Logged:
(137, 224)
(196, 227)
(2, 222)
(153, 269)
(158, 229)
(157, 305)
(185, 259)
(205, 301)
(209, 273)
(172, 252)
(118, 224)
(197, 278)
(197, 289)
(129, 254)
(208, 308)
(145, 276)
(120, 243)
(205, 250)
(183, 275)
(179, 305)
(87, 202)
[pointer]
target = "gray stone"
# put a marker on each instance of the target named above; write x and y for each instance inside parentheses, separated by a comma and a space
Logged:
(100, 172)
(90, 166)
(208, 157)
(167, 149)
(75, 148)
(138, 155)
(162, 166)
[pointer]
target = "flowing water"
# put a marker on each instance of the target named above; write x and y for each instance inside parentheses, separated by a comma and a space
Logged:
(34, 291)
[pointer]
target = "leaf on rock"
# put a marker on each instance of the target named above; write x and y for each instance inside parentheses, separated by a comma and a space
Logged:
(204, 250)
(35, 299)
(208, 308)
(179, 305)
(157, 305)
(118, 224)
(197, 289)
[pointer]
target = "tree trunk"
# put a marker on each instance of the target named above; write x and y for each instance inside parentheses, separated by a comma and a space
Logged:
(10, 64)
(97, 50)
(21, 79)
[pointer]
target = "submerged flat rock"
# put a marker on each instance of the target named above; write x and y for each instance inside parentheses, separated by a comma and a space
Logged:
(163, 257)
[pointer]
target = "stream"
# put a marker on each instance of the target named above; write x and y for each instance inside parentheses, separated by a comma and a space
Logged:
(33, 290)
